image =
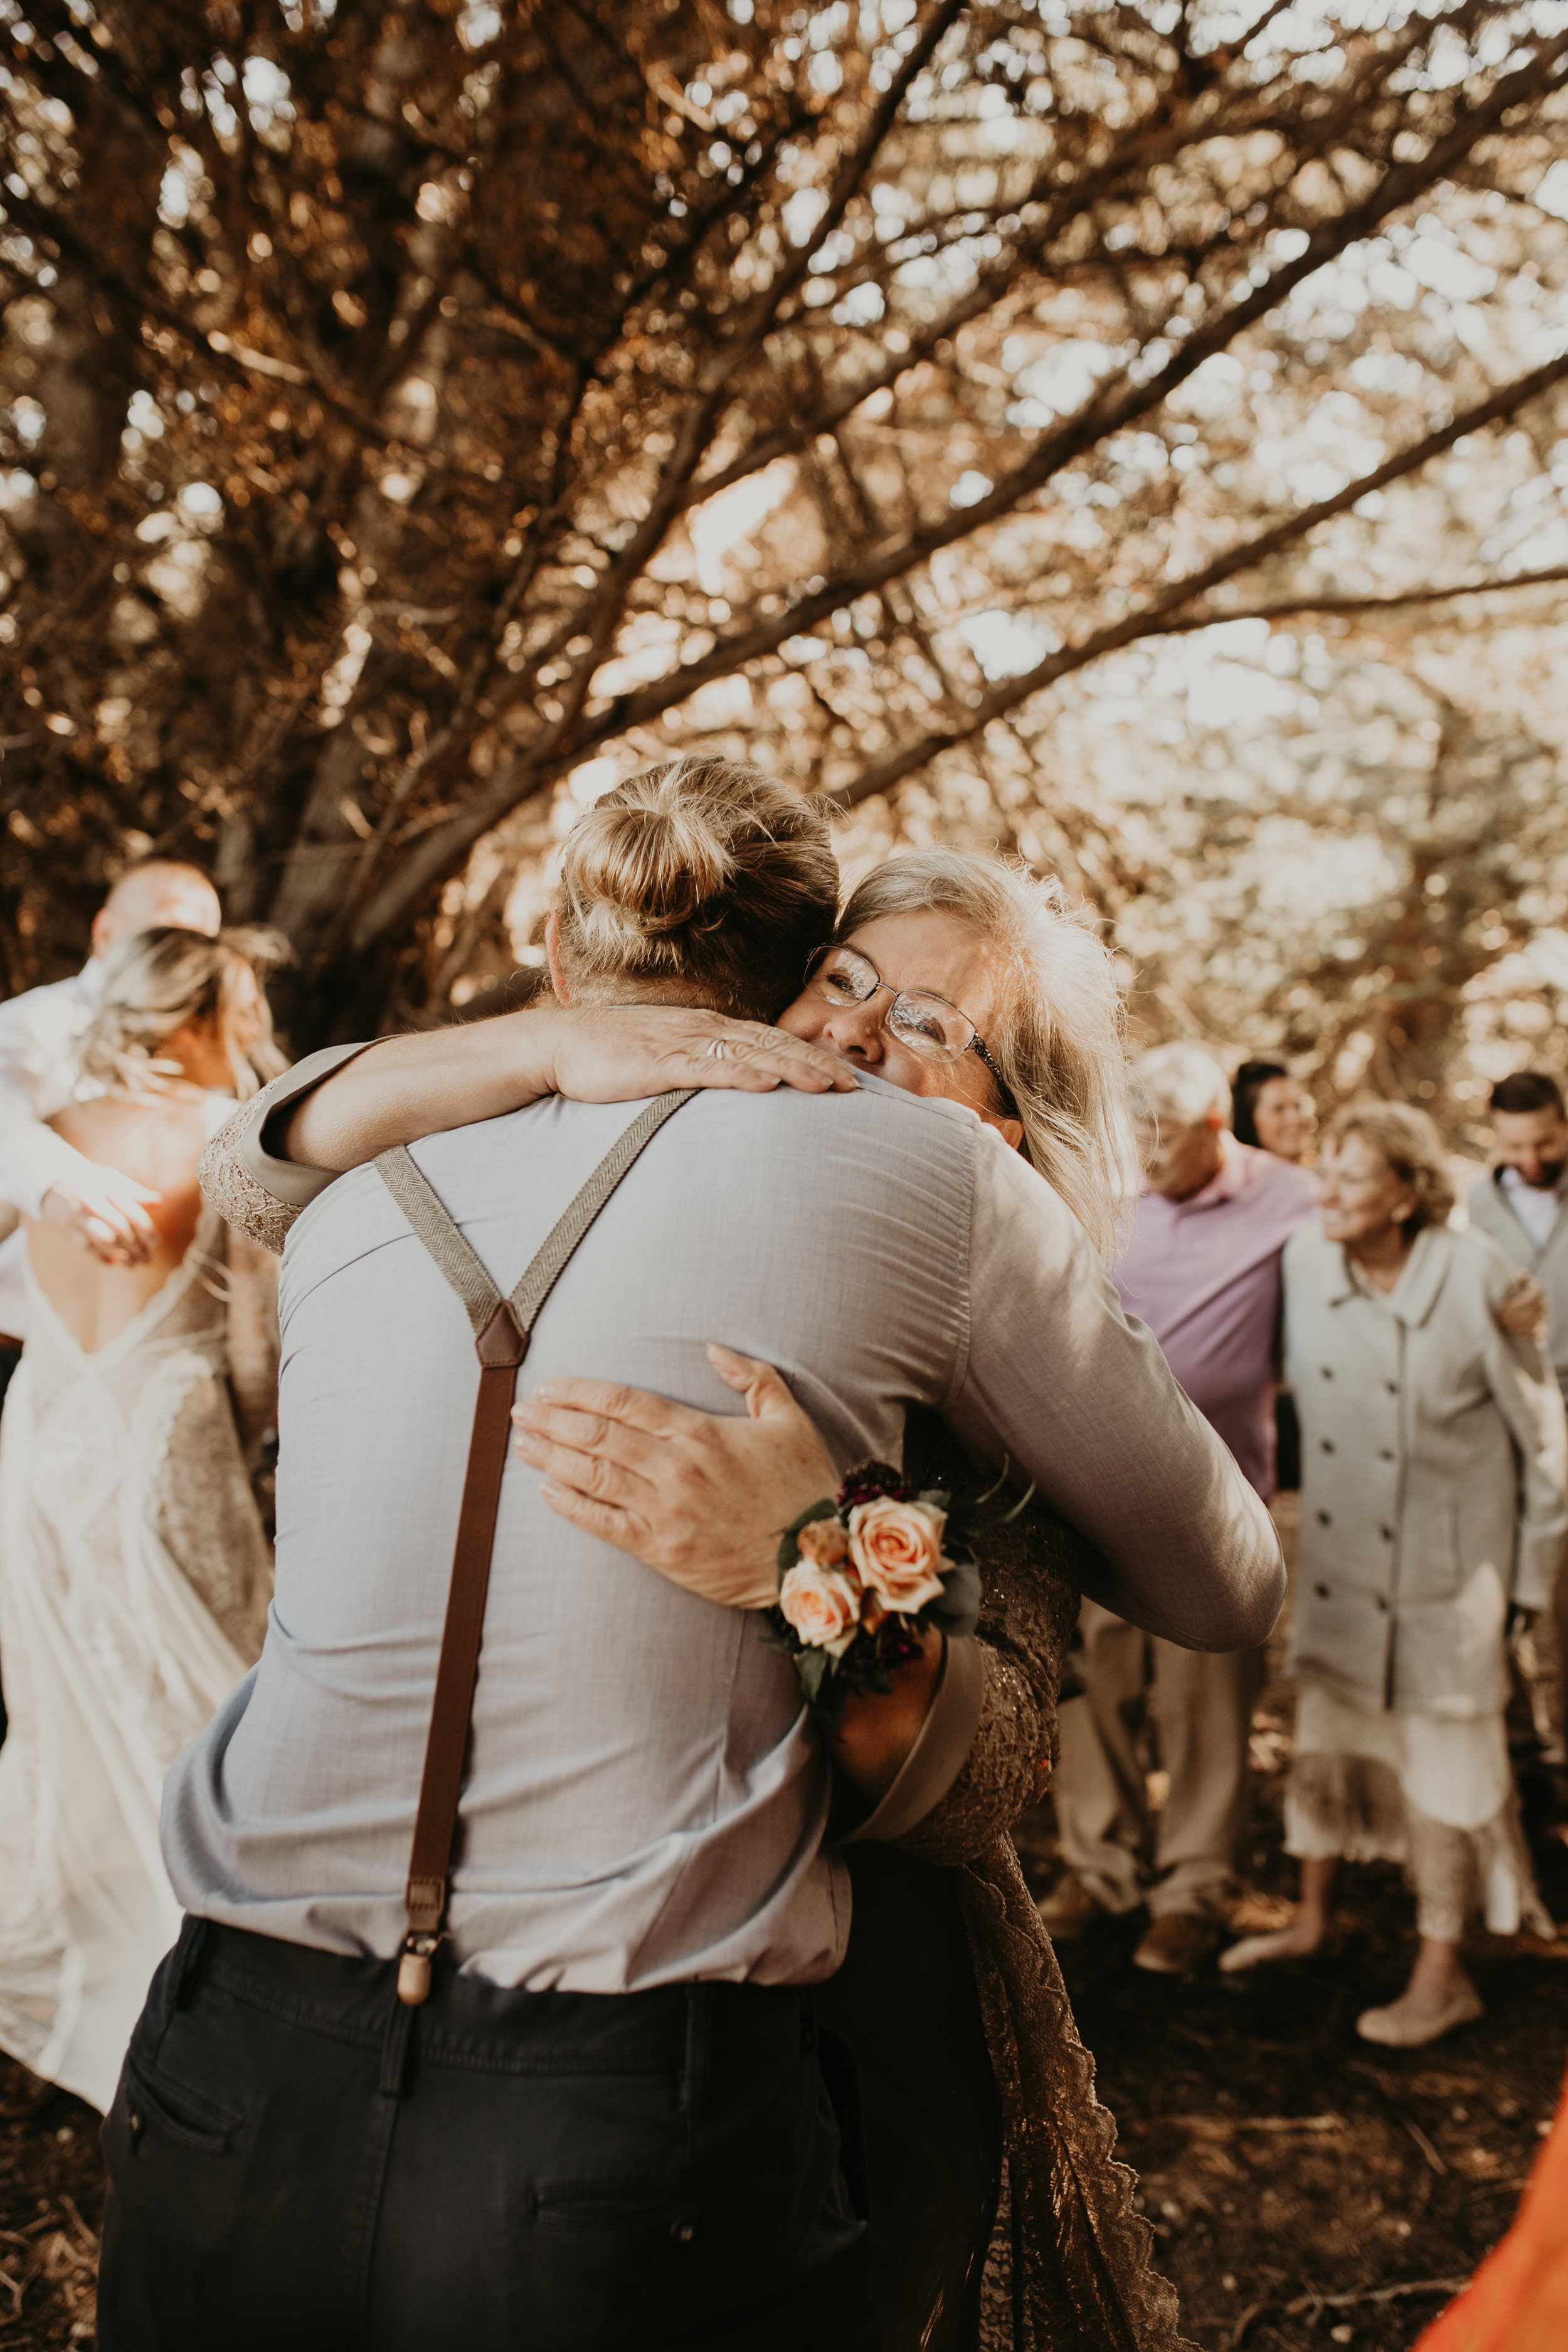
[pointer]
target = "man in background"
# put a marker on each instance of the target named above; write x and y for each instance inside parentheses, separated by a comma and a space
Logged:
(1520, 1205)
(40, 1031)
(1203, 1271)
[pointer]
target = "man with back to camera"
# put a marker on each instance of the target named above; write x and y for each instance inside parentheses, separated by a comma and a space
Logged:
(1202, 1269)
(40, 1174)
(604, 2126)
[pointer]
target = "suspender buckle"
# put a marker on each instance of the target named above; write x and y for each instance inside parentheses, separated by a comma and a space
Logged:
(414, 1967)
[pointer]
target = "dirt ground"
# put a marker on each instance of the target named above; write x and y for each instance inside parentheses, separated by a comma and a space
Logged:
(51, 2203)
(1305, 2189)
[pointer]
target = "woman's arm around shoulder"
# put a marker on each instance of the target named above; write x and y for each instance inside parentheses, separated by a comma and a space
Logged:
(341, 1108)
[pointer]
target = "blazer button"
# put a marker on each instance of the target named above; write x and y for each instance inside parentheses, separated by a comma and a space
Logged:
(1382, 1604)
(1321, 1591)
(1385, 1452)
(1387, 1534)
(1327, 1444)
(1323, 1519)
(1328, 1371)
(1393, 1386)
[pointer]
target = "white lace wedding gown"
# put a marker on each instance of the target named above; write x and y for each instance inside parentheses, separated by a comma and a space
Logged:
(134, 1577)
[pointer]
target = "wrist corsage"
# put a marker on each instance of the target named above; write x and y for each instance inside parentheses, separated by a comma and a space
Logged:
(863, 1575)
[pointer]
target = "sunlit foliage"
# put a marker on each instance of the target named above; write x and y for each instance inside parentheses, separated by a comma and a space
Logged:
(412, 417)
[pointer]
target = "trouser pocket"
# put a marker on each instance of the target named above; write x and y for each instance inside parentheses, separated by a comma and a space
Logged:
(173, 2155)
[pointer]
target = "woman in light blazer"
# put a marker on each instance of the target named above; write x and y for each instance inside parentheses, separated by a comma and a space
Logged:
(1434, 1507)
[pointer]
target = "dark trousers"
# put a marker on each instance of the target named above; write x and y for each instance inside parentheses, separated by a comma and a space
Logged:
(294, 2157)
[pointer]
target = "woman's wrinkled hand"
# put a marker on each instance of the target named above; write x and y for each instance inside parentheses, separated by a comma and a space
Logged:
(703, 1497)
(1521, 1313)
(619, 1053)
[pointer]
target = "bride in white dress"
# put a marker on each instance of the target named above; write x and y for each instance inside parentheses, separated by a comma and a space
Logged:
(134, 1568)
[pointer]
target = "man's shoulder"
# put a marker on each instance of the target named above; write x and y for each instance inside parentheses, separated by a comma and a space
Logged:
(1284, 1182)
(52, 1003)
(1485, 1197)
(712, 1115)
(762, 1144)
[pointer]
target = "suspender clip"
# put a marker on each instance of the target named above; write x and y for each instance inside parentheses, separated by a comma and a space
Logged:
(414, 1967)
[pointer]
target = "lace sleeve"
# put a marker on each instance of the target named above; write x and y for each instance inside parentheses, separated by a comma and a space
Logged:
(230, 1188)
(256, 1193)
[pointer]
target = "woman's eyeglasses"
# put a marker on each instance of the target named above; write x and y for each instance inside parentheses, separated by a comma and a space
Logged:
(928, 1024)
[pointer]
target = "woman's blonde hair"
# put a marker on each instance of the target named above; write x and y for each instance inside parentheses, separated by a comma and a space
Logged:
(1410, 1143)
(1057, 1037)
(702, 875)
(166, 979)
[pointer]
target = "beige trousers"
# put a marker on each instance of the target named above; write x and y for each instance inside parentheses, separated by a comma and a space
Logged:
(1184, 1857)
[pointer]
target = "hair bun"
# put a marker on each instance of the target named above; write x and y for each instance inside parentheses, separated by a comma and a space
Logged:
(702, 877)
(640, 871)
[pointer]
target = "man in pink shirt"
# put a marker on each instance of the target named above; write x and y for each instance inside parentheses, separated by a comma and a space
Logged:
(1203, 1271)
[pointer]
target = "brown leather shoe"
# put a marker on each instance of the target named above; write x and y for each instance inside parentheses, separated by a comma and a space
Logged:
(1070, 1910)
(1176, 1943)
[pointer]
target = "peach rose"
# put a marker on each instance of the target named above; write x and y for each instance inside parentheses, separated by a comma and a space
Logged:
(823, 1542)
(897, 1547)
(822, 1605)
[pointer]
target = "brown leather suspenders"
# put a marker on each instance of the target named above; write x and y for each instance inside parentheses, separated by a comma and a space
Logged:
(502, 1329)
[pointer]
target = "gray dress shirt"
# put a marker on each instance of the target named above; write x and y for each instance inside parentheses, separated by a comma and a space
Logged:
(647, 1799)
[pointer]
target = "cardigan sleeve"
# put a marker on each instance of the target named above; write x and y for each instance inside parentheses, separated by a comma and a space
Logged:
(1524, 1389)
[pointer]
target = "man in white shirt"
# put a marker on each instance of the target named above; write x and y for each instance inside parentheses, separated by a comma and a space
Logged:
(40, 1035)
(1520, 1203)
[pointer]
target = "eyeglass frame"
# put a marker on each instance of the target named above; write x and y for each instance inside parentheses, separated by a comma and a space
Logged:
(976, 1042)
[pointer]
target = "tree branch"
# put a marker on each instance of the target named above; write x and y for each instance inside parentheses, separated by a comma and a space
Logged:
(1288, 605)
(1152, 621)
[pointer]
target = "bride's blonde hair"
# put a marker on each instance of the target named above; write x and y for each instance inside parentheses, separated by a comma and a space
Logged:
(704, 878)
(162, 980)
(1058, 1038)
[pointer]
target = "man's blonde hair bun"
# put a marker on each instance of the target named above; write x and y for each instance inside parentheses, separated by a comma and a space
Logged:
(705, 877)
(646, 861)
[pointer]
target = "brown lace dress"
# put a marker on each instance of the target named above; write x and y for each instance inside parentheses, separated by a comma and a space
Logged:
(1068, 2262)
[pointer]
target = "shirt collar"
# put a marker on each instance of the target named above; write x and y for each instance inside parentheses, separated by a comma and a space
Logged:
(1414, 1294)
(1512, 1181)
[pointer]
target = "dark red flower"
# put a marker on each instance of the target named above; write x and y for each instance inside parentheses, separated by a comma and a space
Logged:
(869, 1481)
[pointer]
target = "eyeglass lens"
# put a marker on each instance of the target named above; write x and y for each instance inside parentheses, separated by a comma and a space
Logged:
(927, 1024)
